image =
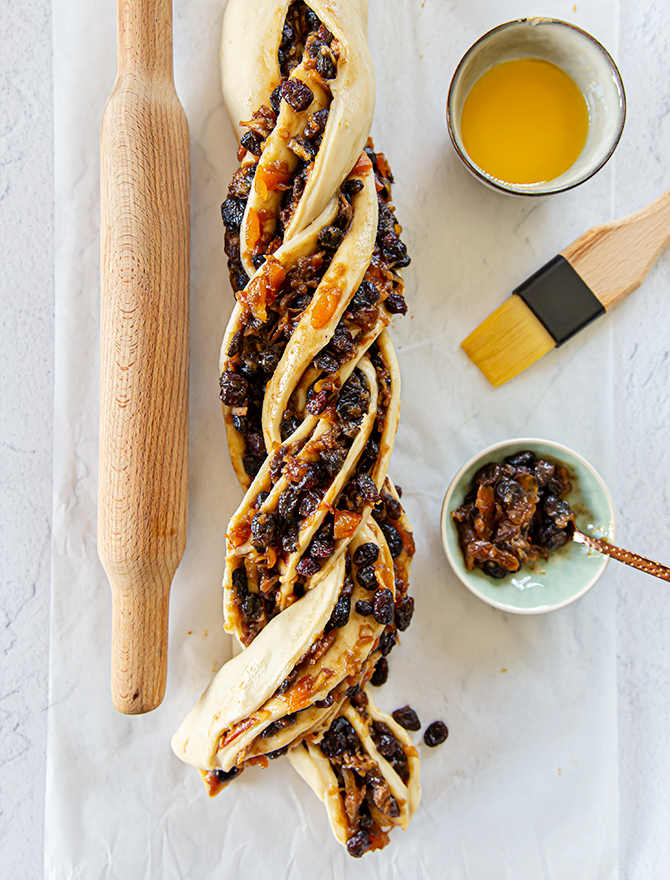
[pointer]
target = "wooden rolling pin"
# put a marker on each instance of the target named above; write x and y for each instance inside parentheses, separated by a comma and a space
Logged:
(144, 339)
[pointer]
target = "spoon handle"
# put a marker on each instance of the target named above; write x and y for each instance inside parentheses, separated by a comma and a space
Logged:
(625, 556)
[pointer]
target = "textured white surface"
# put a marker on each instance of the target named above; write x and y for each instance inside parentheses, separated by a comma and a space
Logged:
(639, 395)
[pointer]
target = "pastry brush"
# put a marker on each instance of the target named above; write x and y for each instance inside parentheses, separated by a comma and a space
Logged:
(588, 278)
(144, 346)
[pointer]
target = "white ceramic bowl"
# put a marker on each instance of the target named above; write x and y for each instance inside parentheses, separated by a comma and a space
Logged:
(570, 571)
(582, 57)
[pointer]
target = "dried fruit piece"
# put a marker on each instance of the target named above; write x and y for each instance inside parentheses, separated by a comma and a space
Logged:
(435, 734)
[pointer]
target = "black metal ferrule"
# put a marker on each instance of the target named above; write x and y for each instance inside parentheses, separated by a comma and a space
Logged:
(560, 300)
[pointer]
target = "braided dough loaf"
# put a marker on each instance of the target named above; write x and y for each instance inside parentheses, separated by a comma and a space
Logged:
(318, 553)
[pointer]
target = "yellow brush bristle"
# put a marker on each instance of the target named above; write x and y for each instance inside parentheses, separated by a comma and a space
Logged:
(507, 342)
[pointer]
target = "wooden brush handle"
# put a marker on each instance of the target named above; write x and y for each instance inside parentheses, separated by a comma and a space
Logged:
(143, 464)
(614, 258)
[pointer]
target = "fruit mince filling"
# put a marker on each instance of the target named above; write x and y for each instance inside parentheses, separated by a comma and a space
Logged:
(304, 39)
(515, 512)
(364, 791)
(256, 349)
(274, 534)
(389, 747)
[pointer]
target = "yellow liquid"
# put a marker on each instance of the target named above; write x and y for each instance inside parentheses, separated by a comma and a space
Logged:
(524, 121)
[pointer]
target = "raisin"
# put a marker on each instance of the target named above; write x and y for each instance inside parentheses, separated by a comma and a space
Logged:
(255, 445)
(252, 606)
(308, 566)
(407, 718)
(298, 95)
(240, 424)
(234, 389)
(393, 507)
(521, 459)
(508, 491)
(369, 456)
(326, 361)
(387, 643)
(235, 343)
(435, 734)
(543, 471)
(404, 611)
(557, 509)
(325, 65)
(381, 673)
(393, 539)
(316, 125)
(347, 586)
(277, 753)
(308, 504)
(311, 477)
(487, 475)
(395, 304)
(232, 213)
(365, 554)
(252, 465)
(258, 260)
(312, 21)
(368, 489)
(388, 745)
(352, 187)
(226, 775)
(351, 405)
(394, 251)
(316, 402)
(359, 844)
(343, 341)
(333, 460)
(366, 577)
(364, 817)
(367, 295)
(341, 611)
(321, 548)
(287, 34)
(275, 98)
(330, 237)
(492, 569)
(288, 501)
(289, 540)
(263, 529)
(251, 142)
(551, 537)
(281, 724)
(289, 426)
(364, 608)
(240, 582)
(383, 607)
(333, 743)
(288, 682)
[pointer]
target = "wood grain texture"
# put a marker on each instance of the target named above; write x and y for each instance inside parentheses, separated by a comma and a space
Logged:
(143, 460)
(614, 258)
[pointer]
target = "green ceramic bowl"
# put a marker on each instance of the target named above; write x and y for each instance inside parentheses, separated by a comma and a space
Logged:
(570, 571)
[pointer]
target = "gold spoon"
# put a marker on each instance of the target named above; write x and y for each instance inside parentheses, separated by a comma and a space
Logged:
(625, 556)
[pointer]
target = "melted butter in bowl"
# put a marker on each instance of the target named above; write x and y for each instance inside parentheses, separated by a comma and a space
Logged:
(536, 106)
(524, 121)
(571, 570)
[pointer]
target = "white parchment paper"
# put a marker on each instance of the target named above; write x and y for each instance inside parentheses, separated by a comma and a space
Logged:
(526, 785)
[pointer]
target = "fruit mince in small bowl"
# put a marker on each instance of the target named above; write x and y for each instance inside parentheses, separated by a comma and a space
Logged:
(507, 522)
